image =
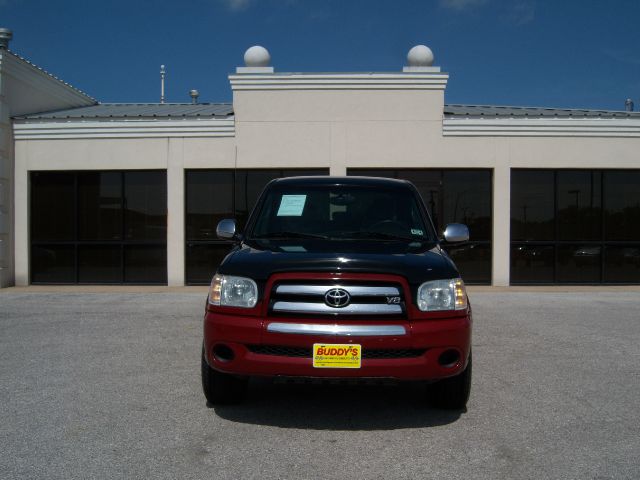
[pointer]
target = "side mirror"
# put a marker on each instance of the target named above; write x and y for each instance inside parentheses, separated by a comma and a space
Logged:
(226, 229)
(456, 233)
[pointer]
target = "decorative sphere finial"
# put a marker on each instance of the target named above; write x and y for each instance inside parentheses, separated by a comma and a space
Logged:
(420, 56)
(257, 56)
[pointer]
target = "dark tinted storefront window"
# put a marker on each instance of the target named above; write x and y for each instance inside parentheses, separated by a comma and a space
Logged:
(98, 227)
(622, 206)
(212, 195)
(532, 205)
(455, 196)
(100, 206)
(53, 204)
(591, 219)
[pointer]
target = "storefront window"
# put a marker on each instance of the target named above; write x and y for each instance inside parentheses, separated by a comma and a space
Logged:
(99, 227)
(212, 195)
(455, 196)
(583, 229)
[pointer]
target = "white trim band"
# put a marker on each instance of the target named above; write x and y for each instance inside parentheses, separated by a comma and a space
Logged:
(343, 330)
(51, 130)
(541, 127)
(340, 81)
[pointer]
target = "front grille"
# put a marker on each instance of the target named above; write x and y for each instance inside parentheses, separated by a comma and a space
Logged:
(311, 299)
(304, 352)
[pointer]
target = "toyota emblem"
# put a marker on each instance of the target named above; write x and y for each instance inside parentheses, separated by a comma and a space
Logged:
(337, 298)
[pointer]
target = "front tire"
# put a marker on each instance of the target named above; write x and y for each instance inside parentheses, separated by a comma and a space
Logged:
(221, 388)
(452, 393)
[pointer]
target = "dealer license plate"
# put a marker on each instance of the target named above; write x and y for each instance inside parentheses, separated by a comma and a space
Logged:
(336, 355)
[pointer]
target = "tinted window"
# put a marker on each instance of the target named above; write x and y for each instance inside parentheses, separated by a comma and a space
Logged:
(622, 205)
(113, 229)
(455, 195)
(532, 205)
(587, 229)
(532, 263)
(212, 195)
(209, 200)
(100, 206)
(145, 203)
(467, 199)
(579, 205)
(52, 206)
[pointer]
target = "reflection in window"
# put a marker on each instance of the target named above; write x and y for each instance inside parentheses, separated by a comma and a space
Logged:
(532, 205)
(591, 220)
(454, 196)
(622, 206)
(52, 206)
(579, 205)
(622, 264)
(53, 264)
(209, 200)
(83, 224)
(532, 263)
(145, 204)
(579, 263)
(212, 195)
(100, 205)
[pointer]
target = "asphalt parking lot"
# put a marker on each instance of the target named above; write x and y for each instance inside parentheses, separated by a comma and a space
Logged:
(107, 385)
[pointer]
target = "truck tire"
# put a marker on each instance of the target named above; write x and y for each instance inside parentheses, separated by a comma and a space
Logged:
(221, 388)
(452, 393)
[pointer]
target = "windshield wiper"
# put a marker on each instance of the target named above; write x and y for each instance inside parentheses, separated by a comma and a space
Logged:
(381, 236)
(287, 234)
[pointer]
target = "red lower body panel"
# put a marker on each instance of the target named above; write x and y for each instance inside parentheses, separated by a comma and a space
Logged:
(435, 336)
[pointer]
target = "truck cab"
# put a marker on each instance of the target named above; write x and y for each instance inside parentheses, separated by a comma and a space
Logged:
(338, 278)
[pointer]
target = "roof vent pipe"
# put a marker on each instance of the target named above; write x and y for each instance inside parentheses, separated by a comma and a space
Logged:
(163, 72)
(5, 37)
(628, 105)
(194, 94)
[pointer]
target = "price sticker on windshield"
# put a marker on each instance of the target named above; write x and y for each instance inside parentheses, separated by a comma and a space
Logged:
(291, 205)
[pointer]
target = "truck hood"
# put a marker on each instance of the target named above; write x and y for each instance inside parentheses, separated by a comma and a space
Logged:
(260, 263)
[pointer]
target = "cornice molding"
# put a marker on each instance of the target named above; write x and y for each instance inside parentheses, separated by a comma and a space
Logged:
(542, 127)
(339, 81)
(52, 130)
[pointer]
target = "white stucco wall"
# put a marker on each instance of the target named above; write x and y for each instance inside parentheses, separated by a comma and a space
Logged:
(6, 194)
(24, 88)
(336, 122)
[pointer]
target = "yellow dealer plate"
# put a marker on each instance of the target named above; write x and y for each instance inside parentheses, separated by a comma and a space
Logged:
(336, 355)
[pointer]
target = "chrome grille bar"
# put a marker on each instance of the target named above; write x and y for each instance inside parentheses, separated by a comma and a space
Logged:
(345, 330)
(351, 309)
(360, 290)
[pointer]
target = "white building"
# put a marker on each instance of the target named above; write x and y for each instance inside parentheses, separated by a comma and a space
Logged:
(131, 193)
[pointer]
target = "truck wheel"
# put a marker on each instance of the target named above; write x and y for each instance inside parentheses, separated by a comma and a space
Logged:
(221, 388)
(452, 393)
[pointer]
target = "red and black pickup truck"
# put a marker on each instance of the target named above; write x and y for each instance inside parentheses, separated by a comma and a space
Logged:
(338, 277)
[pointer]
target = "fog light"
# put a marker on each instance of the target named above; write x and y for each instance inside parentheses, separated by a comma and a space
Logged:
(449, 358)
(223, 353)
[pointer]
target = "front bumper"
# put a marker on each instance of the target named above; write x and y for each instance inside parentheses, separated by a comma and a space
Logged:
(241, 333)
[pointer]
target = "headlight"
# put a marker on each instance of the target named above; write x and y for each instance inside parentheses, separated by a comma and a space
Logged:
(230, 291)
(442, 295)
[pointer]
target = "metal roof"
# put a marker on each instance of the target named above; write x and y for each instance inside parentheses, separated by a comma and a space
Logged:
(51, 75)
(138, 110)
(532, 112)
(190, 110)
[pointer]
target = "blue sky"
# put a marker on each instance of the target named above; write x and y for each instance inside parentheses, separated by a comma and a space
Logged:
(557, 53)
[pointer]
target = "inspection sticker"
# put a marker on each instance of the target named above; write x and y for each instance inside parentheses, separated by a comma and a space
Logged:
(291, 205)
(336, 355)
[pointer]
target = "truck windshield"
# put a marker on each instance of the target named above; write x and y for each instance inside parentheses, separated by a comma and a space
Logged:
(346, 212)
